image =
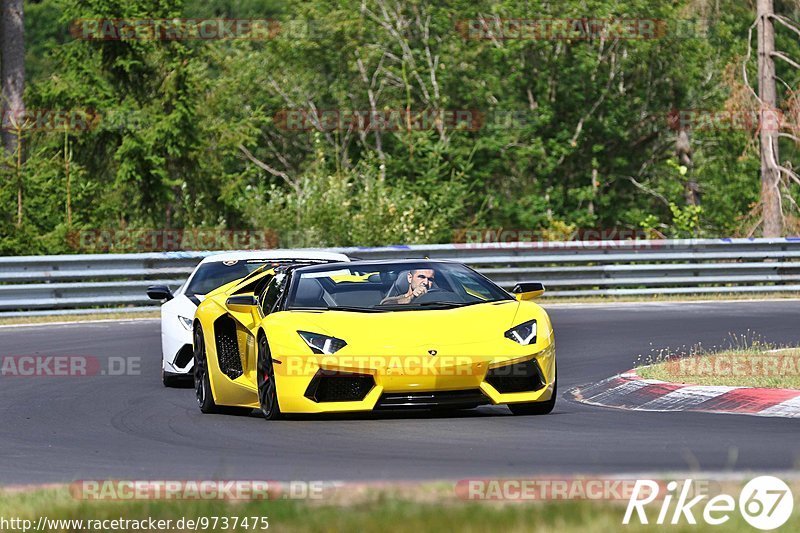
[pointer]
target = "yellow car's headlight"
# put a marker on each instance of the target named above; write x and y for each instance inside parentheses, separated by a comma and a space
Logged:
(523, 334)
(322, 344)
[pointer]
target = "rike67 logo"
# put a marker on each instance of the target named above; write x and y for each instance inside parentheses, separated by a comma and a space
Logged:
(766, 503)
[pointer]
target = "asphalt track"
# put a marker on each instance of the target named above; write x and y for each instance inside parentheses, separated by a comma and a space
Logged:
(61, 429)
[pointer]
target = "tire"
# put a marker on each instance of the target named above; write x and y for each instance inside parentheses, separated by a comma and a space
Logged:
(267, 387)
(202, 384)
(536, 408)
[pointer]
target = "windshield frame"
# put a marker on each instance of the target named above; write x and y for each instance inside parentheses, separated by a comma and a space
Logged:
(407, 264)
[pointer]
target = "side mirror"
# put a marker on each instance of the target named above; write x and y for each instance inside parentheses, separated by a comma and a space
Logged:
(159, 292)
(527, 291)
(241, 303)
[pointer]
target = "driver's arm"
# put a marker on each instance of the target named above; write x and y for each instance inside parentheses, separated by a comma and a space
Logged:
(396, 300)
(416, 293)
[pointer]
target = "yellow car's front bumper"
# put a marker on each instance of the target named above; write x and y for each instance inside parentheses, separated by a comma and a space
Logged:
(383, 382)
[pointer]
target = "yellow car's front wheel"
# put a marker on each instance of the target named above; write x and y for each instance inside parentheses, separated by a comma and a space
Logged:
(202, 385)
(267, 387)
(537, 408)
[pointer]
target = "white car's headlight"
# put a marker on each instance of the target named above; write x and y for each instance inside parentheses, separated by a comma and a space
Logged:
(322, 344)
(524, 334)
(185, 322)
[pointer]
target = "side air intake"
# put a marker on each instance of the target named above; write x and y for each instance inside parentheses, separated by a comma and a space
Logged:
(230, 362)
(330, 386)
(519, 377)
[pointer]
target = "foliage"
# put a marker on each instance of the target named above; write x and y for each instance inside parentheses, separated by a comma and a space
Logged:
(565, 133)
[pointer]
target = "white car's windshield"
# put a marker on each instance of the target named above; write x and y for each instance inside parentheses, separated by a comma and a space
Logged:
(391, 287)
(210, 276)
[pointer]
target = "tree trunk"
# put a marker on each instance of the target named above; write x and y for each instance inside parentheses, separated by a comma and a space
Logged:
(12, 59)
(12, 72)
(683, 152)
(770, 173)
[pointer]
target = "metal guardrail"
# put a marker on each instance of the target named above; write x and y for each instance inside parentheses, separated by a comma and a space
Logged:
(89, 283)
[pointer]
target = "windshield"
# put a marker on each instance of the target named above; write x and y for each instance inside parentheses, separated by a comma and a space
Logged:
(209, 276)
(391, 287)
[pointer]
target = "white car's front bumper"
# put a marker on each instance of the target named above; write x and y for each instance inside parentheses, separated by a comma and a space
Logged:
(176, 340)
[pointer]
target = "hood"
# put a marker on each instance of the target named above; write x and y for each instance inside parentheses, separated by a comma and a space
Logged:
(413, 331)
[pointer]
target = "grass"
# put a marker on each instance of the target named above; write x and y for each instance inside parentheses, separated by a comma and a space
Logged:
(746, 362)
(78, 318)
(381, 512)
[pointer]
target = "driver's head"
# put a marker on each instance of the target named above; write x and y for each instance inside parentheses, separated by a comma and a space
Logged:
(423, 277)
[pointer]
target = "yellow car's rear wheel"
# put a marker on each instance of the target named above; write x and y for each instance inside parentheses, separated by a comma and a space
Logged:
(267, 388)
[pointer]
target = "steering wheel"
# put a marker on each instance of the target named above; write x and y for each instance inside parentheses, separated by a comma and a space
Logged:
(438, 295)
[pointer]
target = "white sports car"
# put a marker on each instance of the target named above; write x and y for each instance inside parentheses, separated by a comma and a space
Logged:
(177, 311)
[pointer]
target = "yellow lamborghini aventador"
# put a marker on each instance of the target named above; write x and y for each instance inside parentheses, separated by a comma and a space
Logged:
(368, 335)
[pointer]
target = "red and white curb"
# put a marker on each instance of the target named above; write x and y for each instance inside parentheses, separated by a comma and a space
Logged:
(629, 391)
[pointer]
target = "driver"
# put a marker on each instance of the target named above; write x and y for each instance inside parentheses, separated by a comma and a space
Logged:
(419, 283)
